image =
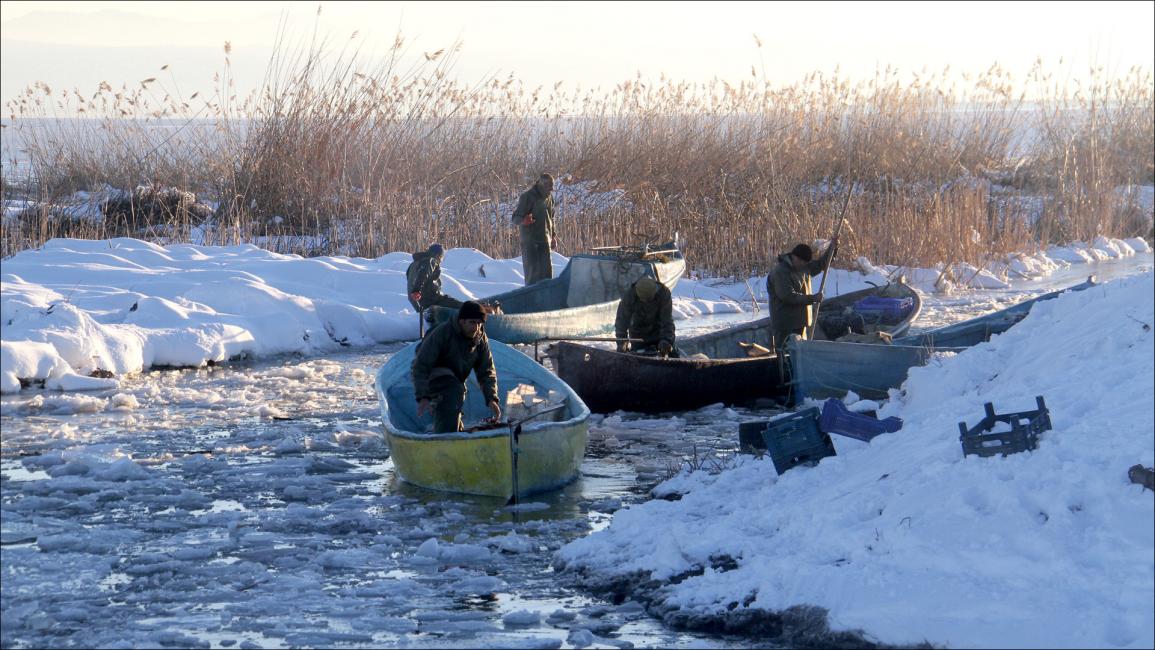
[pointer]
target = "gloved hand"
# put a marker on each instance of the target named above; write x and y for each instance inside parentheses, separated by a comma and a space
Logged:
(623, 346)
(528, 220)
(415, 296)
(424, 406)
(816, 298)
(665, 348)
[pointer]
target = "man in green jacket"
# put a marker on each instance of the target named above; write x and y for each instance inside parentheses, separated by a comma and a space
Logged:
(443, 362)
(534, 214)
(646, 312)
(423, 279)
(788, 287)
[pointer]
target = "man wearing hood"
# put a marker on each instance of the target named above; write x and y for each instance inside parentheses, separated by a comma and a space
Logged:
(788, 287)
(444, 359)
(423, 279)
(534, 214)
(646, 313)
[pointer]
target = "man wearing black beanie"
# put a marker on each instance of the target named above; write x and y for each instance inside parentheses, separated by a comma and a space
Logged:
(443, 362)
(788, 288)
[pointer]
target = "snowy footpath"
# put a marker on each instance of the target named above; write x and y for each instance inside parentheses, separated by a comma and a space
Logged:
(905, 539)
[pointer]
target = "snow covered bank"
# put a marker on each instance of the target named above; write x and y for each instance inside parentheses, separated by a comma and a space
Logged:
(907, 540)
(77, 308)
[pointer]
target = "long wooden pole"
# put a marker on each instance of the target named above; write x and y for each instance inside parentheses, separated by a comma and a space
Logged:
(829, 260)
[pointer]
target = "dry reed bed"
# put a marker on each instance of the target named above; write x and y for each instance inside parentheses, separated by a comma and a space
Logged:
(336, 157)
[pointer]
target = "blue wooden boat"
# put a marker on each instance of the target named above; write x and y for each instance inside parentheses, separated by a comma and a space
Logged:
(824, 369)
(734, 341)
(582, 301)
(981, 329)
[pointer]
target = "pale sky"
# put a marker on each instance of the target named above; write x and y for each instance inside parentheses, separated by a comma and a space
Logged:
(79, 44)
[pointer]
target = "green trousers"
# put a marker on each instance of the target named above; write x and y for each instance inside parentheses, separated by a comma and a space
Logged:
(449, 398)
(536, 262)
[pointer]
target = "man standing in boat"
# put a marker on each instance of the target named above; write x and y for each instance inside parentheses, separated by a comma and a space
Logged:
(423, 279)
(788, 288)
(534, 215)
(646, 312)
(443, 362)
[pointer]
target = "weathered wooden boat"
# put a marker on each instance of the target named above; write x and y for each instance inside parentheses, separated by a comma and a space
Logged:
(714, 367)
(551, 447)
(581, 301)
(981, 329)
(609, 381)
(823, 369)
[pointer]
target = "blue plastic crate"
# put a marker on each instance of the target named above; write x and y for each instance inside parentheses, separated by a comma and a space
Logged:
(884, 310)
(790, 441)
(1022, 435)
(836, 418)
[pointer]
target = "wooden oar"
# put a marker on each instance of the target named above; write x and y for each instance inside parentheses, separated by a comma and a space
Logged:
(514, 436)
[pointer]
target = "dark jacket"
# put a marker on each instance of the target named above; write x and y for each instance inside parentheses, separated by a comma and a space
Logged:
(790, 293)
(445, 351)
(651, 321)
(424, 275)
(531, 201)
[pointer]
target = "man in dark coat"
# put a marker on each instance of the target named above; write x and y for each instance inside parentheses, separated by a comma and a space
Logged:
(443, 362)
(788, 287)
(646, 313)
(534, 214)
(423, 279)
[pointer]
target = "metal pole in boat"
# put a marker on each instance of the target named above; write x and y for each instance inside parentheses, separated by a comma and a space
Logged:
(514, 450)
(514, 435)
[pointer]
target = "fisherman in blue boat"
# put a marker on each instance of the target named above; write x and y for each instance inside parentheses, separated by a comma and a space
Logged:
(444, 359)
(788, 287)
(534, 214)
(423, 280)
(646, 312)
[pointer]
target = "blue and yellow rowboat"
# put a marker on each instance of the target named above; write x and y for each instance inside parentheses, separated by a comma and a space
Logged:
(550, 447)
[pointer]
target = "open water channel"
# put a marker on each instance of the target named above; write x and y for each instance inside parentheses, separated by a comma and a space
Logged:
(254, 505)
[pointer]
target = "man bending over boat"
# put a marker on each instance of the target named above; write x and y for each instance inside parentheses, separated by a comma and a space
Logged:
(444, 359)
(423, 278)
(646, 312)
(788, 287)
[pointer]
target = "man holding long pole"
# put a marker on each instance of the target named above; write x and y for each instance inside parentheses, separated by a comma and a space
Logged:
(789, 289)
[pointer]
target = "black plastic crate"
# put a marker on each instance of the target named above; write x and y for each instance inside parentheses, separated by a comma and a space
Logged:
(1025, 428)
(790, 441)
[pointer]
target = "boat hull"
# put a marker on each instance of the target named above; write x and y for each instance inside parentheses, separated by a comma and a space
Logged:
(824, 369)
(480, 463)
(609, 381)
